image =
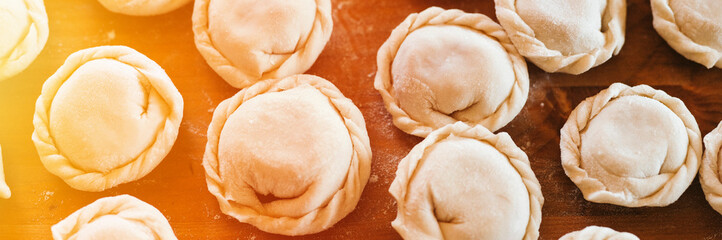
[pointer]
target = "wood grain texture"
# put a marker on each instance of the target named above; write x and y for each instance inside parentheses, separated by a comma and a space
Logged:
(177, 186)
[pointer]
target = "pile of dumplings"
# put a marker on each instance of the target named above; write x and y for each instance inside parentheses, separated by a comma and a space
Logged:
(290, 154)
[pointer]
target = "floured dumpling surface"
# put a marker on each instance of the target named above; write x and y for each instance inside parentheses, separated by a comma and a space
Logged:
(466, 183)
(598, 233)
(108, 116)
(631, 146)
(568, 36)
(710, 173)
(4, 189)
(24, 33)
(246, 41)
(290, 156)
(142, 7)
(692, 27)
(439, 67)
(119, 217)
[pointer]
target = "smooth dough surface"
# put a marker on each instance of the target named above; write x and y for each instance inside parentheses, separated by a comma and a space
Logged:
(568, 36)
(290, 156)
(108, 116)
(631, 147)
(466, 183)
(692, 27)
(444, 69)
(710, 173)
(24, 34)
(598, 233)
(246, 41)
(4, 189)
(142, 7)
(119, 217)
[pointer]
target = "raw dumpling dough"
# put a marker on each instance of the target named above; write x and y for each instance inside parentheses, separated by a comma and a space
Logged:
(631, 146)
(443, 66)
(710, 173)
(4, 189)
(692, 27)
(119, 217)
(598, 233)
(569, 36)
(142, 7)
(24, 33)
(246, 41)
(464, 182)
(289, 156)
(108, 116)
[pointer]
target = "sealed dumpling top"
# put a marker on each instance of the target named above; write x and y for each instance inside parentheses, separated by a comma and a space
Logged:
(24, 33)
(142, 7)
(246, 41)
(108, 116)
(569, 36)
(439, 67)
(692, 27)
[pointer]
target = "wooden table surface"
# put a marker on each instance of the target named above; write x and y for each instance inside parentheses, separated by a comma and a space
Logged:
(177, 186)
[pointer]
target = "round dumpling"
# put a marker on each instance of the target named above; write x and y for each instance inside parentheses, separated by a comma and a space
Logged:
(246, 41)
(710, 173)
(598, 233)
(108, 116)
(692, 27)
(569, 36)
(631, 146)
(142, 7)
(439, 67)
(119, 217)
(24, 34)
(464, 182)
(290, 156)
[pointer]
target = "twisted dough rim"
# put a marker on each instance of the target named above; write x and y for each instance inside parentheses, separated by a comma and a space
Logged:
(123, 206)
(504, 113)
(300, 61)
(666, 26)
(709, 174)
(92, 181)
(524, 38)
(342, 202)
(37, 35)
(502, 142)
(598, 233)
(593, 189)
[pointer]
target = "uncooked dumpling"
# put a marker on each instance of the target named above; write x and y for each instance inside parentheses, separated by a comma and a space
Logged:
(142, 7)
(119, 217)
(108, 116)
(569, 36)
(289, 156)
(4, 189)
(24, 33)
(246, 41)
(443, 66)
(692, 27)
(631, 146)
(598, 233)
(710, 173)
(464, 182)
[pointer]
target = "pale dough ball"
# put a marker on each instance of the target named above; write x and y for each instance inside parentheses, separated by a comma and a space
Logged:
(108, 116)
(24, 34)
(120, 217)
(598, 233)
(631, 146)
(443, 66)
(692, 27)
(142, 7)
(466, 183)
(289, 156)
(246, 41)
